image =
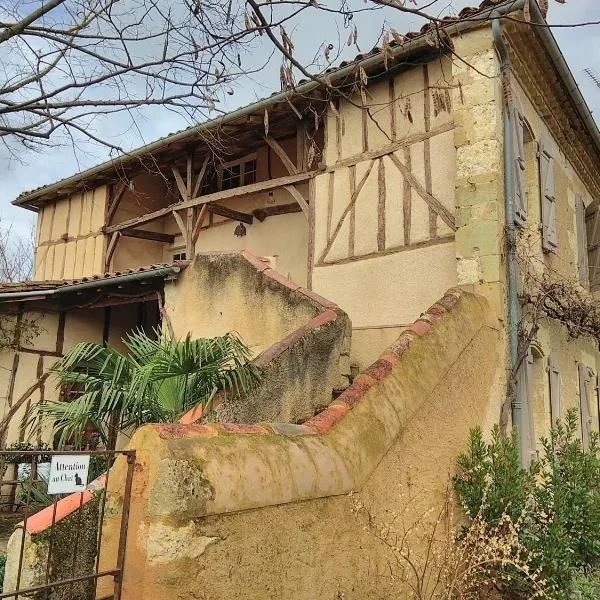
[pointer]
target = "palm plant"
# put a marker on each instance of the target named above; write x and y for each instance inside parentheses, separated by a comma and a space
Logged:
(157, 380)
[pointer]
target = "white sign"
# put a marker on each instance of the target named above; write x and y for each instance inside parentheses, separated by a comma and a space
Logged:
(68, 474)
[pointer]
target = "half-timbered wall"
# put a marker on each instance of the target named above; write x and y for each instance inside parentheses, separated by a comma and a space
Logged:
(70, 243)
(22, 368)
(384, 208)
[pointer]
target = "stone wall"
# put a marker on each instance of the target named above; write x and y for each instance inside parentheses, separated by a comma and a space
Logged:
(307, 337)
(264, 511)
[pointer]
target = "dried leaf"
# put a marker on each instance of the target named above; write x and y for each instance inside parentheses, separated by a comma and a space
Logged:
(363, 76)
(334, 110)
(310, 156)
(349, 40)
(398, 38)
(266, 121)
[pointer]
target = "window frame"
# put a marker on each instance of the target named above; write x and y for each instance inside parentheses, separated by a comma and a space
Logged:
(242, 163)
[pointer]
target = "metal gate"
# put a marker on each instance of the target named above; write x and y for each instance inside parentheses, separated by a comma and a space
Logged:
(56, 546)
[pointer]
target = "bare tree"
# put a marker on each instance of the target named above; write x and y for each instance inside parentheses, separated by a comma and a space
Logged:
(16, 254)
(65, 63)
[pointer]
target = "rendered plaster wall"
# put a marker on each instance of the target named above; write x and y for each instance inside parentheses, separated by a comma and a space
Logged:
(381, 250)
(70, 243)
(220, 293)
(212, 508)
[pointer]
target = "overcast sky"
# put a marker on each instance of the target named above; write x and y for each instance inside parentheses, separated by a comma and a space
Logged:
(581, 47)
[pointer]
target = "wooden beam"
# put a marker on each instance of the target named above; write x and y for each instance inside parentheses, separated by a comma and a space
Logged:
(180, 184)
(188, 179)
(200, 177)
(154, 236)
(278, 209)
(199, 222)
(112, 246)
(298, 197)
(285, 159)
(112, 209)
(245, 190)
(223, 211)
(189, 226)
(180, 223)
(431, 200)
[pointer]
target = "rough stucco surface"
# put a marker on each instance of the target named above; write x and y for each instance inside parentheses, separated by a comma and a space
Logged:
(219, 293)
(295, 384)
(278, 505)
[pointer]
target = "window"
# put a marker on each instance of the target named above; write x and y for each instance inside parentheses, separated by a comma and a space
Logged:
(548, 198)
(239, 172)
(586, 380)
(592, 230)
(582, 246)
(518, 131)
(525, 378)
(179, 256)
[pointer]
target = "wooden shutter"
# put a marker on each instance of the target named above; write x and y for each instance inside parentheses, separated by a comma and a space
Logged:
(554, 376)
(592, 229)
(548, 198)
(518, 125)
(582, 264)
(585, 393)
(526, 397)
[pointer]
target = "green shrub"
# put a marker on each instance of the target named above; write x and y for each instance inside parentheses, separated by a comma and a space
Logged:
(556, 503)
(2, 569)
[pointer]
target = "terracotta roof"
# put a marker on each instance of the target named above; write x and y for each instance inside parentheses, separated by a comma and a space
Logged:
(48, 284)
(475, 14)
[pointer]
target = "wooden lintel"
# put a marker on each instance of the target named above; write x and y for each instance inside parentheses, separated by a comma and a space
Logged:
(180, 183)
(223, 211)
(279, 209)
(298, 197)
(154, 236)
(282, 154)
(199, 222)
(245, 190)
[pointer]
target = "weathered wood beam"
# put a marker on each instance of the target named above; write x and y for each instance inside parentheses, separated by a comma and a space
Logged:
(180, 223)
(110, 250)
(114, 205)
(188, 179)
(200, 178)
(199, 223)
(279, 209)
(245, 190)
(189, 226)
(282, 154)
(298, 197)
(180, 183)
(223, 211)
(154, 236)
(431, 201)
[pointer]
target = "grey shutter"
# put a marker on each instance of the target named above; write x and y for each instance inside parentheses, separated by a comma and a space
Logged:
(554, 376)
(519, 176)
(526, 397)
(592, 229)
(548, 198)
(582, 264)
(585, 380)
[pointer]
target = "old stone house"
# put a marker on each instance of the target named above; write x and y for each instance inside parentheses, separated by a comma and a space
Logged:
(327, 241)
